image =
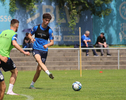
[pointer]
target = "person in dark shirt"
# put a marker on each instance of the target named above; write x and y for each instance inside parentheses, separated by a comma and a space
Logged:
(101, 42)
(26, 42)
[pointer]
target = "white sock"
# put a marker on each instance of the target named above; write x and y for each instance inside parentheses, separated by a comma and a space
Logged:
(47, 72)
(10, 87)
(32, 83)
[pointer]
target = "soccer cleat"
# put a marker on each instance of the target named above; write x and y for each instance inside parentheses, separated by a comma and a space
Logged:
(32, 87)
(11, 93)
(51, 76)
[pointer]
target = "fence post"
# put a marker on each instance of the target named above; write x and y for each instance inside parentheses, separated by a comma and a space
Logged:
(118, 59)
(78, 59)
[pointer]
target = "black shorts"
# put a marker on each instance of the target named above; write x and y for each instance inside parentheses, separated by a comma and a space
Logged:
(9, 65)
(43, 54)
(1, 76)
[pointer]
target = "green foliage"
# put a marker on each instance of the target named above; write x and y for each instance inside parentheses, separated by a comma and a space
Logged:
(97, 7)
(28, 4)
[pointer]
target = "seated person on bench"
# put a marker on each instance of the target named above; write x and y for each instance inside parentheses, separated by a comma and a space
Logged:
(85, 43)
(101, 42)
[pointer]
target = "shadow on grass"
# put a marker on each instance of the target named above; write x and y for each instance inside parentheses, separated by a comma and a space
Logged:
(37, 88)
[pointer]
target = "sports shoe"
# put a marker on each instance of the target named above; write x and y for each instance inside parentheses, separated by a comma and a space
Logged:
(96, 55)
(108, 55)
(32, 87)
(11, 93)
(51, 76)
(102, 55)
(87, 55)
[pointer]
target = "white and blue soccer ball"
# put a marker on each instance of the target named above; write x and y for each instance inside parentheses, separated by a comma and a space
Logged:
(76, 86)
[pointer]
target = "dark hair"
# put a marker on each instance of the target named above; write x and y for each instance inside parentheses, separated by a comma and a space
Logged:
(26, 34)
(47, 15)
(102, 33)
(13, 21)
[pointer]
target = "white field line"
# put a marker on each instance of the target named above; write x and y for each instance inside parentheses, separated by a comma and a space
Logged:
(28, 97)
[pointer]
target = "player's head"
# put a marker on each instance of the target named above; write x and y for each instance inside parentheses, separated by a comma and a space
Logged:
(102, 35)
(87, 33)
(46, 18)
(26, 34)
(14, 24)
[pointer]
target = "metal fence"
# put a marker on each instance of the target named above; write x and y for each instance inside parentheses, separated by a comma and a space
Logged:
(118, 49)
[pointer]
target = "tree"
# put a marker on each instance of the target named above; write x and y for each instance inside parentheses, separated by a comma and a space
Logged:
(97, 7)
(28, 4)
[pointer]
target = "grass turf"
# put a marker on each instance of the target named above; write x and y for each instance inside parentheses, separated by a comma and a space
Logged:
(109, 85)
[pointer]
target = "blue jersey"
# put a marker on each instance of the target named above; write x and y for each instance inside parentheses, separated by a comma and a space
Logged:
(84, 38)
(41, 37)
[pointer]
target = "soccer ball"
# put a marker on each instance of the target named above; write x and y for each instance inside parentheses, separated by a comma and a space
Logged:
(76, 86)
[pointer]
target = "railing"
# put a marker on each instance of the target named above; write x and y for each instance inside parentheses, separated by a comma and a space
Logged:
(84, 49)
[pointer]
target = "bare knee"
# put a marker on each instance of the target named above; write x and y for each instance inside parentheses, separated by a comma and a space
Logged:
(38, 69)
(39, 61)
(15, 71)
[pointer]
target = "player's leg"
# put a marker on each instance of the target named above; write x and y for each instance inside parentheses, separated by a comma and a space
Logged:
(2, 86)
(13, 78)
(42, 65)
(2, 89)
(40, 57)
(36, 76)
(10, 66)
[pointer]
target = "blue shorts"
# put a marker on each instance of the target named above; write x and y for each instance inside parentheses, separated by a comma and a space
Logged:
(1, 76)
(9, 65)
(43, 54)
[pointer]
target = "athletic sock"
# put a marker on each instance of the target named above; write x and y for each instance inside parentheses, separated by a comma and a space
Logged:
(10, 87)
(32, 83)
(47, 72)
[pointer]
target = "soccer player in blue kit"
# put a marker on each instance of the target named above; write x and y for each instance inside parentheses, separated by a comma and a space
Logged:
(40, 47)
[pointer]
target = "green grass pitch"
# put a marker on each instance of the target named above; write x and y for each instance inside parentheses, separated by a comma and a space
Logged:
(109, 85)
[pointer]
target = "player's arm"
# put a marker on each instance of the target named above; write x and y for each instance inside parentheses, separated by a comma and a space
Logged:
(51, 38)
(31, 38)
(15, 44)
(32, 33)
(49, 44)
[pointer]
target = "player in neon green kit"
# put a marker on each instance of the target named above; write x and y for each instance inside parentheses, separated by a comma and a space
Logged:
(8, 40)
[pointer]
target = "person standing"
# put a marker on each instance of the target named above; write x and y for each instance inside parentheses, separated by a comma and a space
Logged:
(8, 40)
(101, 42)
(85, 43)
(40, 47)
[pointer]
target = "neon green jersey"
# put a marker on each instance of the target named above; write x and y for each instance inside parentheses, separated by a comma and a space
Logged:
(6, 38)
